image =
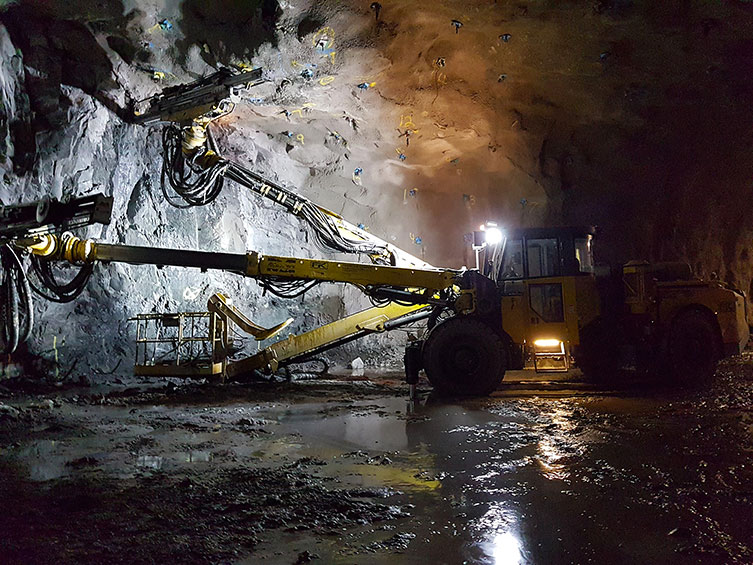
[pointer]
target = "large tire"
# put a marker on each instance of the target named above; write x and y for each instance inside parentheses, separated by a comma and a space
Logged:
(464, 357)
(598, 355)
(693, 347)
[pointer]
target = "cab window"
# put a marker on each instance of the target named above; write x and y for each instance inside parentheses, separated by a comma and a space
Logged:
(543, 258)
(546, 302)
(584, 254)
(512, 262)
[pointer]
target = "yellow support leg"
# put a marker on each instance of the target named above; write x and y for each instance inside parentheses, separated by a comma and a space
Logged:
(371, 320)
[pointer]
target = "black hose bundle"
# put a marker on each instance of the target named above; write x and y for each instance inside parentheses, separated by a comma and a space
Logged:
(15, 301)
(50, 288)
(329, 237)
(327, 233)
(197, 186)
(286, 288)
(16, 308)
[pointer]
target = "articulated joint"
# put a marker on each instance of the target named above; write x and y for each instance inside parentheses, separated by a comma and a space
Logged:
(67, 247)
(270, 362)
(194, 138)
(195, 146)
(253, 264)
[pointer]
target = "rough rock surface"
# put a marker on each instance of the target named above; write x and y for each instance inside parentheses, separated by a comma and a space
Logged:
(633, 115)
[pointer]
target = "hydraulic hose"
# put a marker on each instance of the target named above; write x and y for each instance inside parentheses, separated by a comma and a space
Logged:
(16, 307)
(15, 301)
(52, 289)
(200, 184)
(197, 186)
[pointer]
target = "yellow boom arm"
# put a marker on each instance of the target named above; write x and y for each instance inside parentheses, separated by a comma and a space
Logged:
(252, 264)
(417, 286)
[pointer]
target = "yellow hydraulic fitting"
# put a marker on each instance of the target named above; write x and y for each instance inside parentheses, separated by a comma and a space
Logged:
(44, 245)
(208, 159)
(194, 137)
(77, 250)
(66, 246)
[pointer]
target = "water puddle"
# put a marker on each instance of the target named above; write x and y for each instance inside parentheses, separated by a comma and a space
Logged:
(481, 481)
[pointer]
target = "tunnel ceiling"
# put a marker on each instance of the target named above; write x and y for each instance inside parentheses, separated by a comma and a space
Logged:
(631, 115)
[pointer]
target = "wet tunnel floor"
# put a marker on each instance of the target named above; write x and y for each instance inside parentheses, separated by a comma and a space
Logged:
(548, 470)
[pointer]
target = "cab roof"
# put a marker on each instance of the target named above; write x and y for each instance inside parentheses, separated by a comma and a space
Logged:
(551, 232)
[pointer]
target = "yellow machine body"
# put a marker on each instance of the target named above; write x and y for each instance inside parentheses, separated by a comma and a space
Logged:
(659, 293)
(561, 319)
(548, 291)
(550, 296)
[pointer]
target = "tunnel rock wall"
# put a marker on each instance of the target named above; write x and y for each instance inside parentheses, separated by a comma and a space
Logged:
(76, 143)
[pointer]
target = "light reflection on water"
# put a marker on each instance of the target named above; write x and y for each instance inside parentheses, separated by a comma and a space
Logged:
(549, 457)
(506, 549)
(558, 445)
(499, 528)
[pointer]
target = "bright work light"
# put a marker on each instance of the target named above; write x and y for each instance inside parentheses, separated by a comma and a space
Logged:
(547, 343)
(494, 235)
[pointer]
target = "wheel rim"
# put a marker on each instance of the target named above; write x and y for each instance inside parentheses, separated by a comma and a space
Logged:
(466, 360)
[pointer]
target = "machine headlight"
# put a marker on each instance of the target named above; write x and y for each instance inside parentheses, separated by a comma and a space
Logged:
(494, 236)
(545, 343)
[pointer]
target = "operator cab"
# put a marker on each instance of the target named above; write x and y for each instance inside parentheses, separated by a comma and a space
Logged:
(546, 284)
(528, 253)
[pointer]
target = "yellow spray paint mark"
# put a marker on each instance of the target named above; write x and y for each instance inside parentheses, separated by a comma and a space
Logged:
(299, 111)
(324, 81)
(295, 64)
(299, 137)
(324, 40)
(439, 78)
(407, 122)
(327, 34)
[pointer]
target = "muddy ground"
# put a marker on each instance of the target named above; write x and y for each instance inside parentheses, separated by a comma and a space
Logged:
(548, 470)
